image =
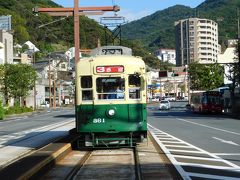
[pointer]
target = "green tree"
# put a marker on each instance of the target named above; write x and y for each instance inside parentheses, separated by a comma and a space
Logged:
(205, 76)
(168, 87)
(234, 75)
(19, 79)
(1, 110)
(3, 88)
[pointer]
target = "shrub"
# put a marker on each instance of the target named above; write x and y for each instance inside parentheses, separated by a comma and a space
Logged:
(17, 110)
(1, 111)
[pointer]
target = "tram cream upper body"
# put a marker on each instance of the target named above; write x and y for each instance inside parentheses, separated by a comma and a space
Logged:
(132, 65)
(87, 66)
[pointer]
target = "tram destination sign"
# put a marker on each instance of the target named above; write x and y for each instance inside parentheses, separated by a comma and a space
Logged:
(109, 69)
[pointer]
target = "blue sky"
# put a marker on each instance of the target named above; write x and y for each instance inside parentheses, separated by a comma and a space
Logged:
(132, 9)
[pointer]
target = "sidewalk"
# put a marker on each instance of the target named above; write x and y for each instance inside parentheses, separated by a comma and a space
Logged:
(28, 114)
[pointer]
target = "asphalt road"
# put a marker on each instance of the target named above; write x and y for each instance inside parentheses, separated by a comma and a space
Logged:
(23, 134)
(24, 123)
(217, 134)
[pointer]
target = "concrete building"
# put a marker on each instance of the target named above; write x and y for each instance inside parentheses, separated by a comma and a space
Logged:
(1, 53)
(166, 55)
(57, 64)
(196, 40)
(7, 40)
(227, 57)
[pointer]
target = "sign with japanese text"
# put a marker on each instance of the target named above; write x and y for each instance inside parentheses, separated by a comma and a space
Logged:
(109, 69)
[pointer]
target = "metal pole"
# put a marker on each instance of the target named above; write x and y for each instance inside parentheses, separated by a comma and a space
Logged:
(35, 92)
(54, 91)
(59, 94)
(49, 79)
(238, 45)
(76, 32)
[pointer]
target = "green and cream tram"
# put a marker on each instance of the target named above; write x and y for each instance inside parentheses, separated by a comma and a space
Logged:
(111, 98)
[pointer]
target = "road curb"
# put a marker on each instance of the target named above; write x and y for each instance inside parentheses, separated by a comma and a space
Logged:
(29, 166)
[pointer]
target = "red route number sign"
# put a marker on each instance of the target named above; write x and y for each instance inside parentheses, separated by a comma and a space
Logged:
(110, 69)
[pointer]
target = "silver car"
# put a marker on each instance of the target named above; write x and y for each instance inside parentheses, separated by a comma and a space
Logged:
(164, 105)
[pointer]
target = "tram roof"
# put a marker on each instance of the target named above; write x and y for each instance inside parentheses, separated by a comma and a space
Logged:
(130, 63)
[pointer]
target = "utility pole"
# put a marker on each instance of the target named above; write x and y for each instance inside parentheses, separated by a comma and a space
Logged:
(50, 82)
(238, 44)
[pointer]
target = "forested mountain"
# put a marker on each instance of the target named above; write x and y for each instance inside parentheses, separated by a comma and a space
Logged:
(157, 30)
(59, 36)
(151, 32)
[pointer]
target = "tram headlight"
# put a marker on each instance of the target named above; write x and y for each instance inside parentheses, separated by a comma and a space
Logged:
(111, 112)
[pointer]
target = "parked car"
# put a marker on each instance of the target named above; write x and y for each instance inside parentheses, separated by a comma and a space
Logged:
(170, 98)
(164, 105)
(44, 104)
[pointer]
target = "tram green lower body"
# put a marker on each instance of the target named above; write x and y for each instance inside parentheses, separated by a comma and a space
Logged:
(127, 119)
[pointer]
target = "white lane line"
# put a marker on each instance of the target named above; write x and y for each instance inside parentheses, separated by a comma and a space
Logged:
(185, 151)
(15, 137)
(227, 154)
(174, 146)
(206, 176)
(226, 141)
(229, 168)
(198, 158)
(223, 130)
(171, 142)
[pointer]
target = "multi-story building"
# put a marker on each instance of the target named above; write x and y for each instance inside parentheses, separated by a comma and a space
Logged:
(7, 40)
(1, 53)
(196, 40)
(166, 55)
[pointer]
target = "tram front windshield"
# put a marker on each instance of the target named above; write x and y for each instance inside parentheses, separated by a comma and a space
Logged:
(110, 87)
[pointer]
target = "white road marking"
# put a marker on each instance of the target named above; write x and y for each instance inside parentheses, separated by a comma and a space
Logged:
(206, 176)
(42, 136)
(227, 154)
(231, 132)
(226, 141)
(181, 161)
(26, 134)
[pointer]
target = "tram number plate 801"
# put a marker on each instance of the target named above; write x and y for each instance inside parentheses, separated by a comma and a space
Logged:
(98, 120)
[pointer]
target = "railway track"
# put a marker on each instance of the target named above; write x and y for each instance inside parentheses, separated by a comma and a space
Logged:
(97, 164)
(60, 161)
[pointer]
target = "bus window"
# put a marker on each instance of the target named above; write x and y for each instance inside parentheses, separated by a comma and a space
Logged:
(204, 99)
(86, 85)
(110, 87)
(134, 82)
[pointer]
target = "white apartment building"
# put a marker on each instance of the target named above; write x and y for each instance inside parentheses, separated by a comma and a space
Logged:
(227, 57)
(196, 40)
(166, 55)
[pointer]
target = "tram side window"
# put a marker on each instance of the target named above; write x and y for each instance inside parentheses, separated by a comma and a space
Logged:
(86, 85)
(134, 82)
